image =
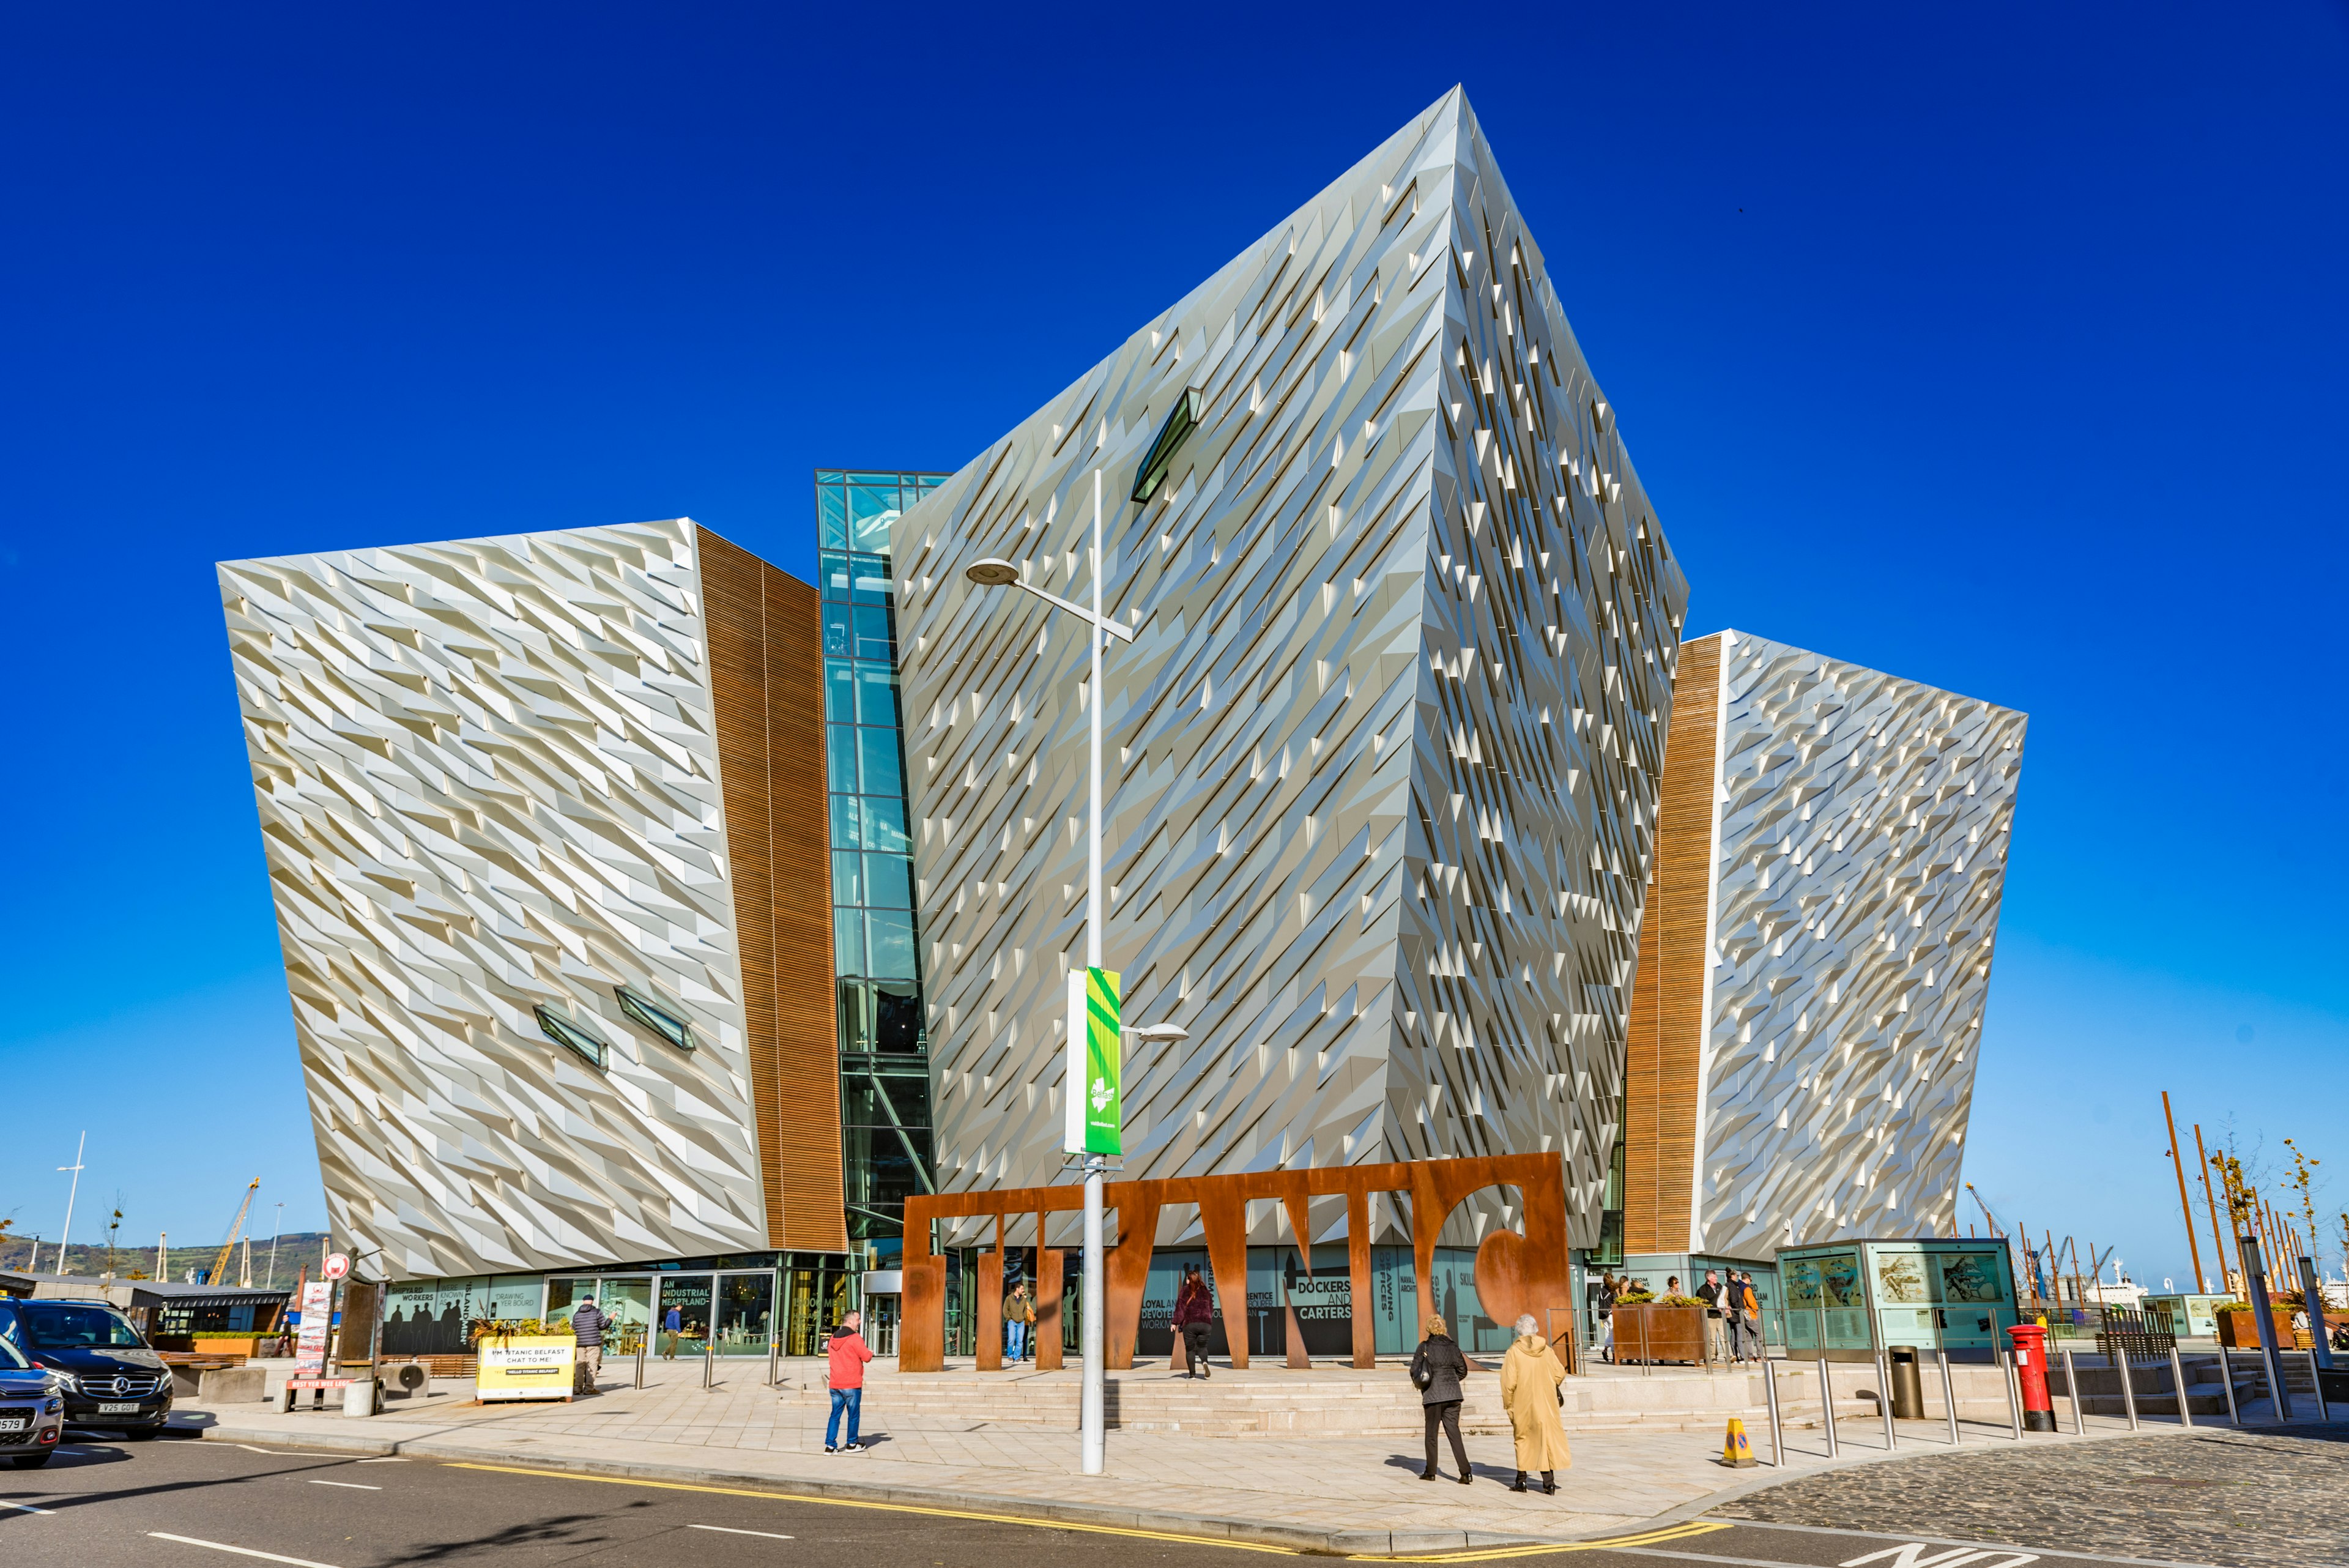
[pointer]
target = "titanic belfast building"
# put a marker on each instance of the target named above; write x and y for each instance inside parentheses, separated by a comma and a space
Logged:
(657, 923)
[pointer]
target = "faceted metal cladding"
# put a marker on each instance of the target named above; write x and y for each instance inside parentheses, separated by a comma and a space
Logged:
(1382, 754)
(488, 781)
(1858, 836)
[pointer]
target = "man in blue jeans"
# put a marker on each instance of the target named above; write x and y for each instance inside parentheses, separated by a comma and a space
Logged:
(848, 1355)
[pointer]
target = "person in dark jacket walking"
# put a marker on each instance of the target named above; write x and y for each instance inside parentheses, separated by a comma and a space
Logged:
(1194, 1311)
(1437, 1369)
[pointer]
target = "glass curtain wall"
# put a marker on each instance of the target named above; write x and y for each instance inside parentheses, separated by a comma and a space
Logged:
(884, 1047)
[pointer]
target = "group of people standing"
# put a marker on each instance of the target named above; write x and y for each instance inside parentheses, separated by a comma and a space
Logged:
(1733, 1314)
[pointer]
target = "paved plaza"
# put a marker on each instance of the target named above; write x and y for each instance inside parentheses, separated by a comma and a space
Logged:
(1339, 1491)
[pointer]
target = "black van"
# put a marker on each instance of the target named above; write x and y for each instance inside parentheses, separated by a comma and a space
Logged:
(109, 1378)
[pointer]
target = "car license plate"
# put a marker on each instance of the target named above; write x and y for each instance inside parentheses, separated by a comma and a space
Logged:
(15, 1423)
(131, 1409)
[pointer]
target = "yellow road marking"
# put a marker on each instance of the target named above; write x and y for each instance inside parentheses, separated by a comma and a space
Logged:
(1675, 1533)
(1491, 1553)
(892, 1508)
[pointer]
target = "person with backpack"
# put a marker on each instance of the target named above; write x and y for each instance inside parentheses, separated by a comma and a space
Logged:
(1436, 1368)
(588, 1324)
(845, 1376)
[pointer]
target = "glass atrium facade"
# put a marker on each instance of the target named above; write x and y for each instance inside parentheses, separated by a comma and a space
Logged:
(884, 1047)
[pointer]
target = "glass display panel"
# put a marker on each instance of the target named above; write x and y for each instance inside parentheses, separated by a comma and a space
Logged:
(876, 696)
(1901, 1279)
(891, 944)
(873, 638)
(884, 824)
(841, 743)
(689, 1294)
(879, 748)
(745, 1313)
(897, 1018)
(1839, 1278)
(889, 882)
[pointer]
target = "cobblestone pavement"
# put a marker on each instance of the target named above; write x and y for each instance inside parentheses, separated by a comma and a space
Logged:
(2235, 1499)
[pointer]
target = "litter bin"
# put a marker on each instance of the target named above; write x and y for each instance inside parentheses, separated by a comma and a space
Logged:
(1907, 1386)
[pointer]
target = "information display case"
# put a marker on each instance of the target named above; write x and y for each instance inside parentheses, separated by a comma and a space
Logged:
(1848, 1300)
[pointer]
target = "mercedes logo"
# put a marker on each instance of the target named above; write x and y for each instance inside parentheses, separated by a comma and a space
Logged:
(121, 1385)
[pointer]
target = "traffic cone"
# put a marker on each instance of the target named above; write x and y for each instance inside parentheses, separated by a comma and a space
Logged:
(1735, 1451)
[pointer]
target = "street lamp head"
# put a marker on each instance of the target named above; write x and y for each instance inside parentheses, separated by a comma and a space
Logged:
(992, 573)
(1159, 1032)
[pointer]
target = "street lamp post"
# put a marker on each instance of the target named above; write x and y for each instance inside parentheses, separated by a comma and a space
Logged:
(996, 573)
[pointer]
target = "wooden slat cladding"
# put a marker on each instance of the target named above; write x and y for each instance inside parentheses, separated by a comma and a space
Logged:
(766, 663)
(1667, 1025)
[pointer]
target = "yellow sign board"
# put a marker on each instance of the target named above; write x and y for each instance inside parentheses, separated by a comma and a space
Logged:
(524, 1367)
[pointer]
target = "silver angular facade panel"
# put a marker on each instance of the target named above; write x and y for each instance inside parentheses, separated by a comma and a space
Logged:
(487, 777)
(1383, 755)
(1856, 843)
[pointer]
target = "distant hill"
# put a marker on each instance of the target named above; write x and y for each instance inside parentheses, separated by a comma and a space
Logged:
(294, 1249)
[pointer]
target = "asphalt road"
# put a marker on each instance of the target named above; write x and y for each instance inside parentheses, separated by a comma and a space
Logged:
(182, 1504)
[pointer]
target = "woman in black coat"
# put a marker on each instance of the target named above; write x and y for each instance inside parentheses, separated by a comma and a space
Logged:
(1436, 1370)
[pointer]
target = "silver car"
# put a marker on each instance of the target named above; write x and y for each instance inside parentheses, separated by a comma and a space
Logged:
(32, 1411)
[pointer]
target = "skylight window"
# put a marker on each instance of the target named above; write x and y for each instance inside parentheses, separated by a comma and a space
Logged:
(563, 1032)
(1180, 422)
(662, 1021)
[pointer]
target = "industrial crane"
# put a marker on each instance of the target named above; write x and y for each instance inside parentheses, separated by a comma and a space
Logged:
(1988, 1218)
(220, 1265)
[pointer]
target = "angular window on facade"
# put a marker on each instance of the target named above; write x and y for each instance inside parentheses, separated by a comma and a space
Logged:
(665, 1022)
(564, 1032)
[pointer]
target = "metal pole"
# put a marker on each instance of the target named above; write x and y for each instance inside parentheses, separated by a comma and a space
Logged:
(2255, 1290)
(774, 1355)
(2311, 1291)
(1949, 1395)
(640, 1355)
(71, 1193)
(1826, 1405)
(2184, 1206)
(2316, 1375)
(1092, 1411)
(1883, 1397)
(2072, 1391)
(2120, 1358)
(2007, 1374)
(2178, 1381)
(2227, 1384)
(709, 1354)
(1778, 1431)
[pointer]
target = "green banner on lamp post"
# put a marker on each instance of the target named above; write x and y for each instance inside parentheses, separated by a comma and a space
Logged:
(1095, 1065)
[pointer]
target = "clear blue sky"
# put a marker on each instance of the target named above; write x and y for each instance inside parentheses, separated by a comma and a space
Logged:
(1998, 347)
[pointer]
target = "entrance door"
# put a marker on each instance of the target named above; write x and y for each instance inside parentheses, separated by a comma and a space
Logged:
(689, 1294)
(745, 1313)
(818, 1298)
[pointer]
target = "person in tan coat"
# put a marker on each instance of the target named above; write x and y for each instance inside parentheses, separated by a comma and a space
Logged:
(1530, 1375)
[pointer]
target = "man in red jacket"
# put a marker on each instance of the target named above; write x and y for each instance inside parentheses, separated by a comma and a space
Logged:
(849, 1353)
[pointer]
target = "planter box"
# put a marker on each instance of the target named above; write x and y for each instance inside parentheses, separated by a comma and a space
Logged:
(1646, 1332)
(2241, 1330)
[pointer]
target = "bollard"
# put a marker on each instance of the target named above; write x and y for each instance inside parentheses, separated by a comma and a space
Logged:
(2119, 1358)
(2178, 1381)
(2013, 1401)
(1883, 1397)
(2071, 1388)
(1949, 1396)
(774, 1360)
(2316, 1375)
(640, 1358)
(1826, 1405)
(1777, 1430)
(709, 1361)
(2227, 1384)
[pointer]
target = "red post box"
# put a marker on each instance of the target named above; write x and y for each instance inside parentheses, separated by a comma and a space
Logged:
(2031, 1376)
